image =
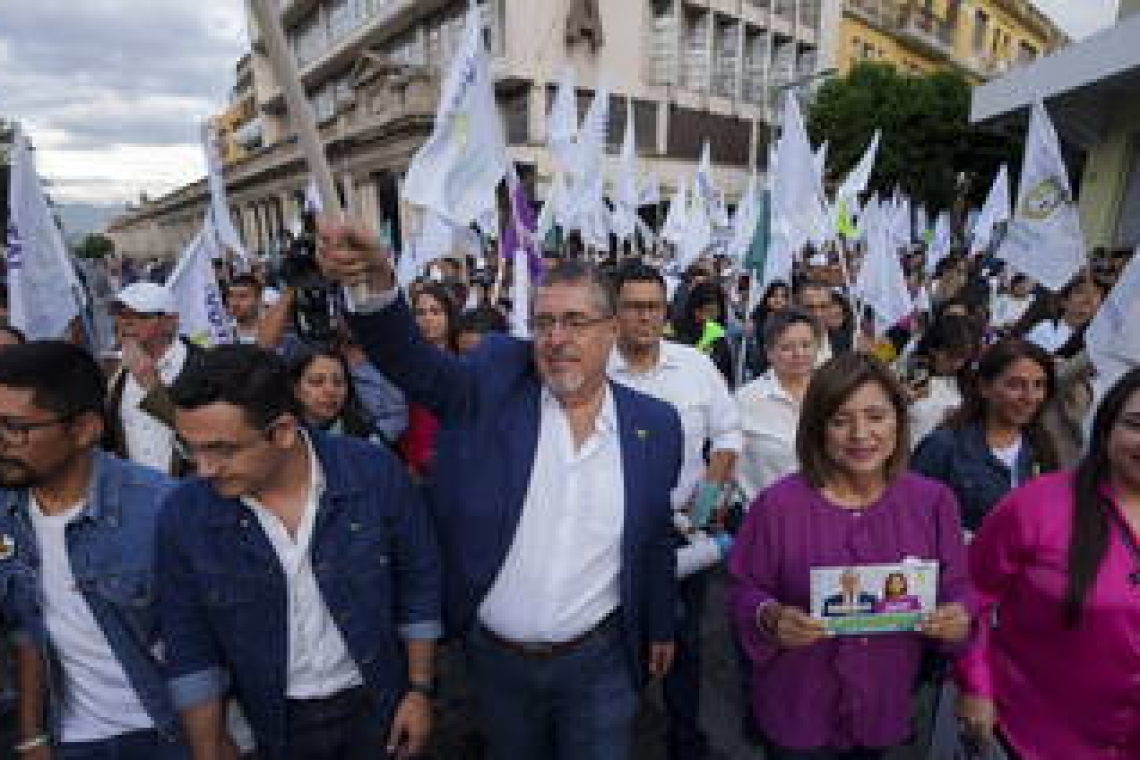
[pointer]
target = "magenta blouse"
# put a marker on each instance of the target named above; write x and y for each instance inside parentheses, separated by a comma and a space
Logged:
(846, 691)
(1060, 692)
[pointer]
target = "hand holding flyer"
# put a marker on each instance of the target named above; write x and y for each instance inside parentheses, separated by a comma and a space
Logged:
(862, 599)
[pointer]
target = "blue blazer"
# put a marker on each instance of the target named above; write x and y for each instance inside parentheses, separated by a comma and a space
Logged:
(488, 405)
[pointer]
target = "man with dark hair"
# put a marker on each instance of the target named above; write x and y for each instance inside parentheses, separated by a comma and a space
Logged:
(76, 554)
(686, 378)
(552, 502)
(243, 300)
(300, 567)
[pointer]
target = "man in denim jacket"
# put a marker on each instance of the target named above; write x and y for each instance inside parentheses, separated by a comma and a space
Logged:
(76, 554)
(299, 570)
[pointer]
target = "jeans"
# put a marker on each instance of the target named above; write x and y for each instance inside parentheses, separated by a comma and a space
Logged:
(341, 727)
(136, 745)
(773, 752)
(682, 686)
(575, 705)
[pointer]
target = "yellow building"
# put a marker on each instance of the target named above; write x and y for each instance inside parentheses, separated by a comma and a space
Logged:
(981, 39)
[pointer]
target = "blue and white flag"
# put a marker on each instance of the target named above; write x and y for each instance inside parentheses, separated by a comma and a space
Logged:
(456, 172)
(202, 314)
(44, 292)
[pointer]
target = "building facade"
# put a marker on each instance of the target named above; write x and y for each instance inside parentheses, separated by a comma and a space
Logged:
(693, 69)
(1092, 92)
(981, 39)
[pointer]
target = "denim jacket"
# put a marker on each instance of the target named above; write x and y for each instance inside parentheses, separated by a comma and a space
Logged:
(110, 545)
(223, 595)
(961, 459)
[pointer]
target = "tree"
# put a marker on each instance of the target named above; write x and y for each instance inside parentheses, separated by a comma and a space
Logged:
(95, 246)
(927, 136)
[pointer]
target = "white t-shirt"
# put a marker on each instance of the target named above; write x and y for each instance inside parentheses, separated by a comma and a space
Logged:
(1008, 456)
(1050, 335)
(99, 700)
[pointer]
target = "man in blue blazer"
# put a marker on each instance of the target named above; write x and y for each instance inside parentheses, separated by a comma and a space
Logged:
(551, 494)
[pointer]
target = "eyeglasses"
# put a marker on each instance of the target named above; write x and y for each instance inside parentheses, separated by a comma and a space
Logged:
(574, 323)
(16, 432)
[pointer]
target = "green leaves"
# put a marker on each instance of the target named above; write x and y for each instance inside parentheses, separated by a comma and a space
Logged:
(927, 137)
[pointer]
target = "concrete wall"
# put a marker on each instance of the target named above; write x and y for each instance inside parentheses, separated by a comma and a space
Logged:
(1106, 176)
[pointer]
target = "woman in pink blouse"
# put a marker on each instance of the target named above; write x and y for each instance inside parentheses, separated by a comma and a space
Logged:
(1058, 676)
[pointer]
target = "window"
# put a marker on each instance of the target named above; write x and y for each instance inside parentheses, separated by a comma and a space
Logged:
(663, 43)
(342, 19)
(515, 108)
(981, 30)
(726, 52)
(695, 50)
(309, 40)
(756, 53)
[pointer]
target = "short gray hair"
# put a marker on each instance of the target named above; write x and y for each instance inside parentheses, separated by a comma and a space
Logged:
(576, 272)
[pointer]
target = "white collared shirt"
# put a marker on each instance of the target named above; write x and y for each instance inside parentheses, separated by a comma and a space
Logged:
(319, 662)
(687, 379)
(149, 441)
(770, 416)
(1050, 335)
(560, 576)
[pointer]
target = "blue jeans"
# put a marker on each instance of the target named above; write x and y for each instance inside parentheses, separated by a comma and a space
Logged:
(136, 745)
(682, 686)
(576, 705)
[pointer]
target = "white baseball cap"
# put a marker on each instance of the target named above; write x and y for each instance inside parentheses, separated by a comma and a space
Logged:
(147, 298)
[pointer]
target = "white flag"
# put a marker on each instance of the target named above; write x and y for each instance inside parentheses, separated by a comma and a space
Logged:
(44, 293)
(855, 183)
(882, 283)
(592, 136)
(223, 224)
(744, 223)
(1044, 239)
(1112, 341)
(677, 217)
(626, 185)
(994, 212)
(941, 243)
(562, 129)
(458, 169)
(820, 160)
(202, 314)
(799, 210)
(436, 239)
(706, 193)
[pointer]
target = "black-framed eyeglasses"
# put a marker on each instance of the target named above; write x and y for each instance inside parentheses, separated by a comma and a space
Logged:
(16, 432)
(574, 323)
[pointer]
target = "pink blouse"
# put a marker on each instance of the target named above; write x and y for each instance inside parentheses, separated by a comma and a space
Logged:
(1060, 692)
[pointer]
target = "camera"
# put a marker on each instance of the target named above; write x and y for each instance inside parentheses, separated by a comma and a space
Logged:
(316, 304)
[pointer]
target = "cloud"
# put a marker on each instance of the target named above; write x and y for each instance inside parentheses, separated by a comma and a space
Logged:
(112, 92)
(1080, 18)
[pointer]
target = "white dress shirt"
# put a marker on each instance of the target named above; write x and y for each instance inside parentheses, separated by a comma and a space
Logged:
(687, 379)
(100, 701)
(149, 441)
(319, 662)
(1007, 309)
(770, 416)
(560, 576)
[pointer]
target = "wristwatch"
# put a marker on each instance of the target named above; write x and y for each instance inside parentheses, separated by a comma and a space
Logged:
(424, 688)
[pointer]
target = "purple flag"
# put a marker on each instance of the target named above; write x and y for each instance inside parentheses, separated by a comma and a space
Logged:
(522, 218)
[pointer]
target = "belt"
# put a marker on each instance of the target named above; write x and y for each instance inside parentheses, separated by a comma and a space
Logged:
(345, 701)
(547, 650)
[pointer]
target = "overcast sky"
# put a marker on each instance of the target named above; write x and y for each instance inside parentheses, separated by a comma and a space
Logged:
(112, 91)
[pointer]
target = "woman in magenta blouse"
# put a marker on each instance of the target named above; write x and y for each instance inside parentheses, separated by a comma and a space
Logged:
(1059, 561)
(822, 697)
